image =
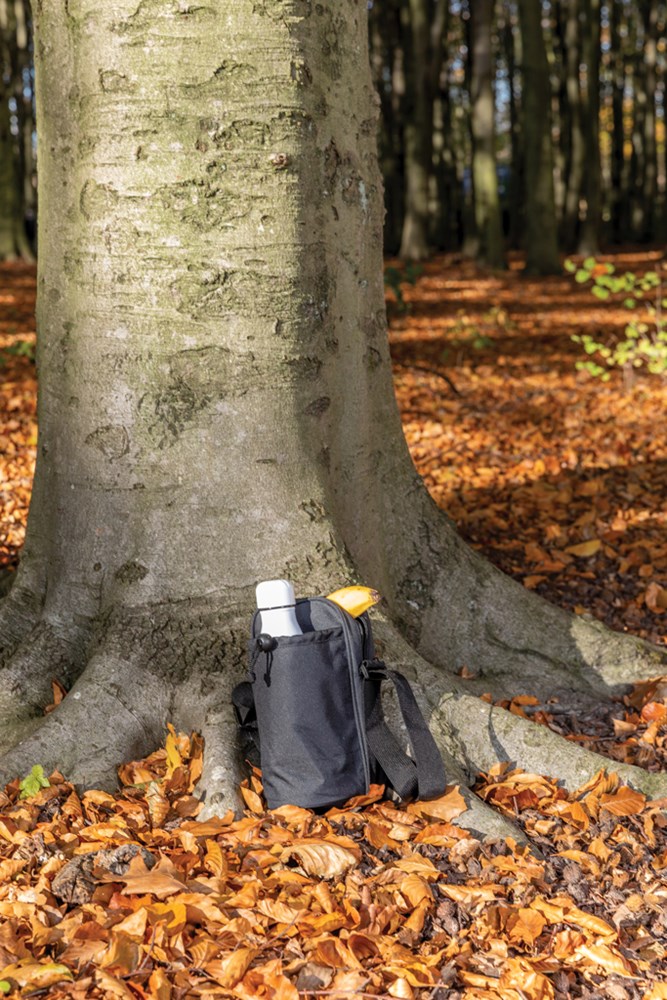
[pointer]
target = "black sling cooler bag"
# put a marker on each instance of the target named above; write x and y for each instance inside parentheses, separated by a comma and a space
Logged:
(313, 705)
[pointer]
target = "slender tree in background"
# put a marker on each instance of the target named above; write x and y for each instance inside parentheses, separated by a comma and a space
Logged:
(424, 23)
(216, 407)
(15, 119)
(617, 70)
(387, 64)
(484, 174)
(575, 120)
(592, 181)
(541, 231)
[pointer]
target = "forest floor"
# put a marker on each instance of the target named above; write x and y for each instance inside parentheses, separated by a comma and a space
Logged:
(561, 481)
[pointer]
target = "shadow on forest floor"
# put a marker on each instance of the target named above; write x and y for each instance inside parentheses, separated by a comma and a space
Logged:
(531, 457)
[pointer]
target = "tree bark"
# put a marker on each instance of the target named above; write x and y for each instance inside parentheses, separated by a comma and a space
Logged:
(13, 238)
(577, 146)
(650, 172)
(216, 405)
(424, 25)
(485, 179)
(618, 173)
(541, 230)
(590, 228)
(387, 60)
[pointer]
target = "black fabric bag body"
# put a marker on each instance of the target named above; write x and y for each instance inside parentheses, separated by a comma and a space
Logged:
(313, 704)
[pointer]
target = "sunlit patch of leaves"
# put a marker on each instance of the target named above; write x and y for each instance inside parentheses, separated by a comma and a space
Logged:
(131, 895)
(557, 478)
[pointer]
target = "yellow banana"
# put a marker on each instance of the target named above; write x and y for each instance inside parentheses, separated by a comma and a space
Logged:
(355, 600)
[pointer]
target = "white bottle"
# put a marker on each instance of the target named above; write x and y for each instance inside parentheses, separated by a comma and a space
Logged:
(276, 601)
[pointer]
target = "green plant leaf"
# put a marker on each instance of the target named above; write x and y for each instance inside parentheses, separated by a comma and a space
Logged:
(630, 303)
(5, 987)
(33, 782)
(589, 263)
(581, 276)
(570, 266)
(600, 293)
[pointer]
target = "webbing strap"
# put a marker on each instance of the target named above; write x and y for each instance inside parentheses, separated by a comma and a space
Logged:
(422, 777)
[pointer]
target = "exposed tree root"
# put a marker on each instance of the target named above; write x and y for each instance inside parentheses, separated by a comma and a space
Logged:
(156, 664)
(116, 709)
(460, 610)
(484, 734)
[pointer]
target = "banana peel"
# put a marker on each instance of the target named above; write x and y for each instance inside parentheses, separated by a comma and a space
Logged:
(355, 600)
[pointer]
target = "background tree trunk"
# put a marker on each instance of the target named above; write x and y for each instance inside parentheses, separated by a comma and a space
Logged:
(13, 47)
(577, 148)
(418, 129)
(485, 179)
(592, 187)
(540, 210)
(216, 407)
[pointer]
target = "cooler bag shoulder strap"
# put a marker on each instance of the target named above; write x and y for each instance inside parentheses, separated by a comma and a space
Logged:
(422, 777)
(244, 706)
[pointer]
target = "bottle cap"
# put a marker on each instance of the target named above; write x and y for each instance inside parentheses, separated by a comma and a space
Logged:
(275, 594)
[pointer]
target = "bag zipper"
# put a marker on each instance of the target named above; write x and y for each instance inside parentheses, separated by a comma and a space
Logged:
(357, 691)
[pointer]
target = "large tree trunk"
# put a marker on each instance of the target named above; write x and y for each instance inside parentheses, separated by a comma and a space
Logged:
(541, 229)
(216, 405)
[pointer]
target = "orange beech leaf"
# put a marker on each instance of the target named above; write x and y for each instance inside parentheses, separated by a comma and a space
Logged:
(322, 857)
(446, 808)
(211, 827)
(122, 955)
(525, 925)
(36, 975)
(159, 986)
(654, 711)
(202, 951)
(362, 945)
(213, 859)
(624, 802)
(322, 923)
(560, 909)
(112, 986)
(601, 956)
(469, 895)
(417, 918)
(335, 954)
(518, 974)
(174, 914)
(159, 881)
(571, 812)
(401, 988)
(585, 549)
(656, 598)
(657, 992)
(441, 834)
(378, 836)
(278, 912)
(113, 830)
(134, 926)
(252, 800)
(228, 971)
(565, 943)
(415, 889)
(417, 973)
(582, 858)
